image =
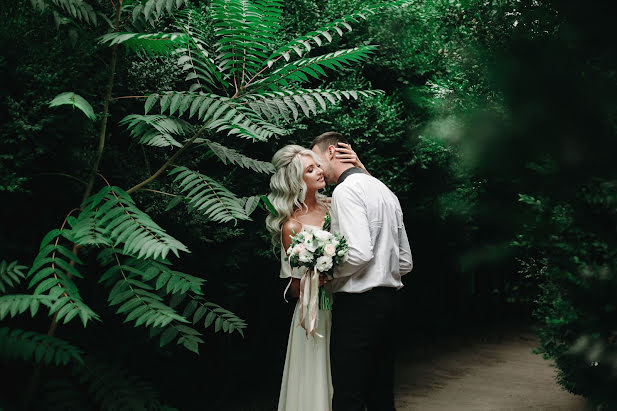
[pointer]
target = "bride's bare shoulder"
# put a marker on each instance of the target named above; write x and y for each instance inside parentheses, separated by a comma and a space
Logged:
(290, 227)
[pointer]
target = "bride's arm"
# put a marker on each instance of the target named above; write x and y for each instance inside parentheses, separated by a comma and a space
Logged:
(346, 155)
(290, 228)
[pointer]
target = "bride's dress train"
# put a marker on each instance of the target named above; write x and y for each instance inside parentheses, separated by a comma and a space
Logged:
(307, 381)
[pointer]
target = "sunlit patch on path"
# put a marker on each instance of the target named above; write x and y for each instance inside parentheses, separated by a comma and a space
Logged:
(495, 371)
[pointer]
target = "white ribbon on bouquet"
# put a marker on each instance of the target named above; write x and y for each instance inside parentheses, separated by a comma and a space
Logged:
(309, 300)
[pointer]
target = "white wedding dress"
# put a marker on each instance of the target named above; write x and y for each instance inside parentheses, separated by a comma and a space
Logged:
(307, 382)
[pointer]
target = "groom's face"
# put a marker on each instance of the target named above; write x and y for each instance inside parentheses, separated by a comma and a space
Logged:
(325, 164)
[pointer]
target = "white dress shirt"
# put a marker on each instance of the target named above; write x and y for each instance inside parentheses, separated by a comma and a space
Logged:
(369, 215)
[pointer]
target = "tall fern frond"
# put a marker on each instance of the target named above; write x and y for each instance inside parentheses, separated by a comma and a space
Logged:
(273, 106)
(28, 345)
(147, 44)
(195, 60)
(213, 315)
(268, 25)
(14, 304)
(156, 130)
(231, 156)
(51, 273)
(151, 11)
(202, 312)
(238, 51)
(85, 231)
(77, 9)
(123, 223)
(300, 70)
(189, 337)
(209, 197)
(136, 298)
(217, 112)
(157, 273)
(324, 34)
(11, 275)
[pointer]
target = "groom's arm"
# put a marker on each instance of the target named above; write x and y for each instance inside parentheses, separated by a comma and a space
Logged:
(405, 261)
(351, 221)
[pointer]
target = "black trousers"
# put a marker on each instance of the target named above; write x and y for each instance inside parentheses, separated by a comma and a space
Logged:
(362, 349)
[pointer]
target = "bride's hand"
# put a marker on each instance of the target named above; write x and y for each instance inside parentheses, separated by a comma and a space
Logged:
(323, 279)
(345, 153)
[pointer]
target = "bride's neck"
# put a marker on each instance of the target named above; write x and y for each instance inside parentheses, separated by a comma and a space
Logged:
(311, 200)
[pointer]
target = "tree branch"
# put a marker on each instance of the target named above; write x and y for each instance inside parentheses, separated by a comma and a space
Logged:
(168, 162)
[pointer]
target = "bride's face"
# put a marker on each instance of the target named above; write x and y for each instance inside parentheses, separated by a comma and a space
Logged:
(313, 175)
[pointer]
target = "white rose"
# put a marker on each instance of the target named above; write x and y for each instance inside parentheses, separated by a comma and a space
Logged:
(305, 256)
(297, 249)
(329, 250)
(312, 245)
(322, 235)
(324, 263)
(307, 237)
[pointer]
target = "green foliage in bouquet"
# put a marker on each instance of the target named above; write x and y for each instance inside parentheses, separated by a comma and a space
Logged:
(319, 251)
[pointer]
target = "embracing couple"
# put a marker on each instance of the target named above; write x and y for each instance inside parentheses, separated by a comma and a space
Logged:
(348, 364)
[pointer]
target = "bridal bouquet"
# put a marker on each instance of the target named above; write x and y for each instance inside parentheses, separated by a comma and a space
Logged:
(320, 251)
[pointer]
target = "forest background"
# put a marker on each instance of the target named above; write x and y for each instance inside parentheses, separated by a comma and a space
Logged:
(496, 130)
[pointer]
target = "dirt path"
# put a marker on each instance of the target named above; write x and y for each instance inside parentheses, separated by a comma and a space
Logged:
(494, 372)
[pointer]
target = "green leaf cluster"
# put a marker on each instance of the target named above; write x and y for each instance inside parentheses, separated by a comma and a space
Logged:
(52, 273)
(118, 218)
(28, 345)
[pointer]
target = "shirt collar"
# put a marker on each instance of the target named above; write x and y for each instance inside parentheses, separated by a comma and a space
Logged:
(347, 173)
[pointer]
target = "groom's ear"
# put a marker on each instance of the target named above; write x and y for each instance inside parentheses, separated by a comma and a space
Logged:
(331, 152)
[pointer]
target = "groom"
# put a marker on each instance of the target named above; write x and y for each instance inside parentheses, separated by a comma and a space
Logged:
(369, 215)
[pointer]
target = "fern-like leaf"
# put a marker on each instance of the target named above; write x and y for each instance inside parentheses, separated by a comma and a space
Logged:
(217, 112)
(208, 196)
(11, 275)
(147, 44)
(303, 70)
(75, 101)
(324, 34)
(151, 11)
(28, 345)
(273, 106)
(52, 272)
(200, 311)
(158, 274)
(156, 130)
(195, 60)
(137, 299)
(213, 315)
(14, 304)
(240, 54)
(123, 223)
(231, 156)
(77, 9)
(189, 337)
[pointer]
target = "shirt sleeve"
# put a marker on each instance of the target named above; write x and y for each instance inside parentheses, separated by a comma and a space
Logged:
(405, 260)
(350, 220)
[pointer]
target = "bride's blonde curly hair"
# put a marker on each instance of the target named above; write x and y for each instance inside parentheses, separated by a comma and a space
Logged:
(287, 187)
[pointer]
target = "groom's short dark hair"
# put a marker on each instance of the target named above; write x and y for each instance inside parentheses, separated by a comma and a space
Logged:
(331, 138)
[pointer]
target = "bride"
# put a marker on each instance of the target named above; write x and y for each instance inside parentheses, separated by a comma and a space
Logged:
(306, 384)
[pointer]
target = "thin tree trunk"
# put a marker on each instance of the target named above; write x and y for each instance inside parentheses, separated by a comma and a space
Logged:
(36, 376)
